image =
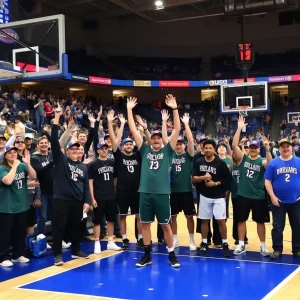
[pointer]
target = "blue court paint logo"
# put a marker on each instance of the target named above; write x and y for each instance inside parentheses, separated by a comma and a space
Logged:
(7, 40)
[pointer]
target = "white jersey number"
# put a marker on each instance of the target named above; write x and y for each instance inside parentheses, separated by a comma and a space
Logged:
(74, 176)
(130, 169)
(250, 173)
(154, 165)
(20, 184)
(178, 168)
(106, 176)
(287, 177)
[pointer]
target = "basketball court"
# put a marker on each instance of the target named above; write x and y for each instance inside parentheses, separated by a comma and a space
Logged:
(113, 275)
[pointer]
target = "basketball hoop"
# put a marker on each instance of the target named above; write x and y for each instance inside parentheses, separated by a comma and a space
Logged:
(296, 122)
(243, 110)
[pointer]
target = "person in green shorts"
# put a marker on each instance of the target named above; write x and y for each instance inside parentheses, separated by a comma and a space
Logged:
(154, 186)
(181, 198)
(251, 189)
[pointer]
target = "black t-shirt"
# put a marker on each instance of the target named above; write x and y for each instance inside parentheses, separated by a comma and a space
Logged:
(102, 171)
(128, 171)
(218, 171)
(196, 157)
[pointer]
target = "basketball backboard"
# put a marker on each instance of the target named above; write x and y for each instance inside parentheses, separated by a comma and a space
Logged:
(35, 46)
(293, 117)
(248, 96)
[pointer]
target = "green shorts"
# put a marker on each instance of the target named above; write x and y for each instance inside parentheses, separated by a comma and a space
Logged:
(152, 205)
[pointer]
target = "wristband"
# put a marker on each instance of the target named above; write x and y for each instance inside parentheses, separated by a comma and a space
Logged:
(174, 108)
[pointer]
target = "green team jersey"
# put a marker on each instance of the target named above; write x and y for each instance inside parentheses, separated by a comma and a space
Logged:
(228, 162)
(155, 170)
(181, 173)
(252, 183)
(235, 181)
(14, 197)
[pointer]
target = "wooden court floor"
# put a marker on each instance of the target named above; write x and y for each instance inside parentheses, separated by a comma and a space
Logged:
(289, 290)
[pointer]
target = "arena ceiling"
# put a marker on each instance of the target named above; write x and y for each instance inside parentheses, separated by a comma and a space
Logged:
(174, 10)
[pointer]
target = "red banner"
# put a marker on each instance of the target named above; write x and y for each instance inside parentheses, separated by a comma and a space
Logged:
(177, 83)
(99, 80)
(241, 80)
(296, 77)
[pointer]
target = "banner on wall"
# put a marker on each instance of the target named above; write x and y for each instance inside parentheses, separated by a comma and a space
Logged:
(80, 77)
(175, 83)
(99, 80)
(145, 83)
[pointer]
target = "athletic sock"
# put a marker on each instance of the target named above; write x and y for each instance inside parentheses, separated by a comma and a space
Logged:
(110, 239)
(124, 236)
(263, 245)
(139, 236)
(175, 237)
(191, 235)
(241, 243)
(204, 241)
(170, 249)
(224, 241)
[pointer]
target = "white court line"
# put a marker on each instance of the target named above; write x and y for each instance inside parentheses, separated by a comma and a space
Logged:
(221, 258)
(72, 294)
(66, 270)
(281, 284)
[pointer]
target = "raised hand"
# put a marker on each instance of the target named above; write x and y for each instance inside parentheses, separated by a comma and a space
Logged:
(58, 111)
(26, 158)
(265, 142)
(122, 118)
(141, 121)
(91, 118)
(171, 101)
(165, 115)
(185, 119)
(110, 116)
(131, 102)
(16, 163)
(241, 122)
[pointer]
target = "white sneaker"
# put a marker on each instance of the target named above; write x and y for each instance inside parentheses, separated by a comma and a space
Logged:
(66, 245)
(193, 246)
(97, 247)
(48, 246)
(6, 263)
(113, 246)
(264, 252)
(239, 249)
(21, 260)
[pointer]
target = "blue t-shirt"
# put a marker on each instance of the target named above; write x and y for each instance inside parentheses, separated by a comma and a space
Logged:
(285, 177)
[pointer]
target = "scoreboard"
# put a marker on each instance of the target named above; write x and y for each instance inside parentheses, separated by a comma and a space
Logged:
(4, 12)
(245, 54)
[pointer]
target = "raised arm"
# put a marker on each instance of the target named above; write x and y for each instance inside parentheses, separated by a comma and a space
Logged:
(91, 132)
(171, 102)
(115, 141)
(269, 157)
(144, 125)
(131, 103)
(164, 131)
(190, 145)
(237, 152)
(55, 147)
(26, 161)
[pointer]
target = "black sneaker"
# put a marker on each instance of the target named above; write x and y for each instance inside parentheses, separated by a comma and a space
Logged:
(140, 243)
(144, 261)
(296, 254)
(58, 261)
(80, 254)
(173, 260)
(203, 248)
(226, 251)
(276, 255)
(102, 235)
(125, 244)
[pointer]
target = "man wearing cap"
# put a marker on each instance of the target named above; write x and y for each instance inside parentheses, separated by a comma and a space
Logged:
(103, 197)
(127, 172)
(28, 143)
(154, 183)
(181, 198)
(296, 145)
(282, 181)
(71, 193)
(251, 190)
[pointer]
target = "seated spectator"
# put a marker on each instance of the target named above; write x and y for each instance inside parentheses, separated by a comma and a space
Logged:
(3, 121)
(27, 119)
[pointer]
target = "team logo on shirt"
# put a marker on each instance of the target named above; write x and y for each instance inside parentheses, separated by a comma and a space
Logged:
(207, 169)
(252, 167)
(154, 160)
(106, 169)
(75, 172)
(285, 170)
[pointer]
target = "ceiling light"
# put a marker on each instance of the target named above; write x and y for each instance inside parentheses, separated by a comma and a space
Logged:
(76, 89)
(29, 83)
(159, 4)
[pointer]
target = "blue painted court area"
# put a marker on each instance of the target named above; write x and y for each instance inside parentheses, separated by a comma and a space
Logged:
(117, 277)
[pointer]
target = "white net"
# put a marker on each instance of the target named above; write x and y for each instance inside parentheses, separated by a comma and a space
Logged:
(243, 110)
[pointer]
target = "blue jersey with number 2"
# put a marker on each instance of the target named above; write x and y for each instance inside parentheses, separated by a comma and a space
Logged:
(285, 177)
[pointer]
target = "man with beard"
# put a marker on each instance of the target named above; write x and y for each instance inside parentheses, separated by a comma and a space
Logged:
(127, 172)
(154, 183)
(214, 180)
